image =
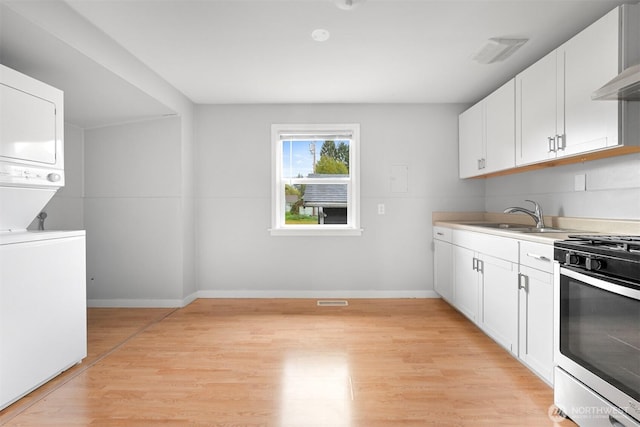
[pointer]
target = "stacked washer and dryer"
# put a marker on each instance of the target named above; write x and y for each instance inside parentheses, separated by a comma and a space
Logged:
(42, 273)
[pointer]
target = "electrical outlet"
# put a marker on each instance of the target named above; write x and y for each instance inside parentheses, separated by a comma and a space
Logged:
(381, 209)
(580, 182)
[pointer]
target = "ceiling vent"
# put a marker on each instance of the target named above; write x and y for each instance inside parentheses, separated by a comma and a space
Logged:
(498, 49)
(347, 4)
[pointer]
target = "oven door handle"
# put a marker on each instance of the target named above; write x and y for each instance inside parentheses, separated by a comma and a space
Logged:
(601, 282)
(614, 422)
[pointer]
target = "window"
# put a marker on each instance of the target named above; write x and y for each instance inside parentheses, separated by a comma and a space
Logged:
(315, 188)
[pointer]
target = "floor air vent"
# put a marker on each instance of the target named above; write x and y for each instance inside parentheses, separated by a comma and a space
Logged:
(333, 303)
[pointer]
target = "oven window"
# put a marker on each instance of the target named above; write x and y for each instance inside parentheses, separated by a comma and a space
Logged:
(600, 330)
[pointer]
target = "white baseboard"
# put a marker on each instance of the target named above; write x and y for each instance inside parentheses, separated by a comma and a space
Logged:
(315, 294)
(136, 303)
(189, 299)
(177, 303)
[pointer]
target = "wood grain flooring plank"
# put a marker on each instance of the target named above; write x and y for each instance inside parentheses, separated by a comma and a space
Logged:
(289, 363)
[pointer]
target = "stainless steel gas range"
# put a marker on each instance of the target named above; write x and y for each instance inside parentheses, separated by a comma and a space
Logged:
(597, 330)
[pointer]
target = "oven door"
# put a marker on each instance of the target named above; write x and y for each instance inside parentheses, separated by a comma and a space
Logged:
(598, 335)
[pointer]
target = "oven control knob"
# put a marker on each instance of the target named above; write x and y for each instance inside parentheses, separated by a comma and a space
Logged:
(572, 259)
(593, 264)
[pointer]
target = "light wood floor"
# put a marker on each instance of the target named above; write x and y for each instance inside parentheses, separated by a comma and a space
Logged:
(414, 362)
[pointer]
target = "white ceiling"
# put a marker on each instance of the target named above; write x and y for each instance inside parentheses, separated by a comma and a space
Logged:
(94, 96)
(382, 51)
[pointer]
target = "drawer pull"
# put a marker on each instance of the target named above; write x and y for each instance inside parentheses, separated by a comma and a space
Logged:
(440, 234)
(539, 257)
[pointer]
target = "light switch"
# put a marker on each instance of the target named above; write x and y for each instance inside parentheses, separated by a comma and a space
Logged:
(381, 209)
(580, 182)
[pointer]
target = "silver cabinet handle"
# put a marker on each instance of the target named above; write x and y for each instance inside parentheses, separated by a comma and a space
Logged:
(475, 263)
(561, 142)
(523, 282)
(552, 144)
(480, 266)
(539, 257)
(439, 233)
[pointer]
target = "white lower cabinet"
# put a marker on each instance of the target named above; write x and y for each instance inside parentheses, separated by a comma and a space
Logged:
(466, 282)
(505, 286)
(486, 292)
(499, 301)
(485, 283)
(536, 308)
(443, 263)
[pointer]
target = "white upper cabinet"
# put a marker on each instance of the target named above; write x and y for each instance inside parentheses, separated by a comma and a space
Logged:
(555, 115)
(590, 59)
(537, 111)
(471, 141)
(500, 128)
(487, 132)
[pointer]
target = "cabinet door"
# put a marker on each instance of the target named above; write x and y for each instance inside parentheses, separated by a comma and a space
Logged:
(443, 269)
(590, 59)
(500, 128)
(471, 141)
(499, 306)
(536, 108)
(536, 321)
(465, 282)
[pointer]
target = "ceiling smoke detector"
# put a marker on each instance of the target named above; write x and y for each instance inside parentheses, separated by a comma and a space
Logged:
(498, 49)
(320, 35)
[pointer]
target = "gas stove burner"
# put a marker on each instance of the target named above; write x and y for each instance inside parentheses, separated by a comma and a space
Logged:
(613, 242)
(609, 255)
(603, 238)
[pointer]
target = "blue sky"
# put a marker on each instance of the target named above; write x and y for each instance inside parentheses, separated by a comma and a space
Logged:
(297, 157)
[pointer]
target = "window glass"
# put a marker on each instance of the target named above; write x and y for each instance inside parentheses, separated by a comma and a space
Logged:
(315, 178)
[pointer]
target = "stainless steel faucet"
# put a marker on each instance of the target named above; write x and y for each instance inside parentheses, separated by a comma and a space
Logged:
(536, 214)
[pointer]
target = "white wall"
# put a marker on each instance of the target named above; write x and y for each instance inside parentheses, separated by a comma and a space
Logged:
(136, 204)
(612, 190)
(133, 214)
(65, 209)
(139, 206)
(236, 256)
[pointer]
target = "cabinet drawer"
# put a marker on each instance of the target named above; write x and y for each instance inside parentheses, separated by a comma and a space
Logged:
(536, 255)
(499, 247)
(442, 233)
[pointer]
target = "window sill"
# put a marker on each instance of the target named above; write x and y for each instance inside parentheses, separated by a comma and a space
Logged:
(306, 231)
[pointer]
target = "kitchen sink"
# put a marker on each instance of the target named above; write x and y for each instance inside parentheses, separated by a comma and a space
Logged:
(520, 228)
(501, 225)
(543, 230)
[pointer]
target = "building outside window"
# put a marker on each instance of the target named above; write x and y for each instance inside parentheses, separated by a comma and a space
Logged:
(315, 186)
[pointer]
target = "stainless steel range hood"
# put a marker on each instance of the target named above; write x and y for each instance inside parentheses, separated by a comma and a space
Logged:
(625, 87)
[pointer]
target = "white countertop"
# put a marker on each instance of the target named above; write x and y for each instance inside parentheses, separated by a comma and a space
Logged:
(576, 226)
(547, 238)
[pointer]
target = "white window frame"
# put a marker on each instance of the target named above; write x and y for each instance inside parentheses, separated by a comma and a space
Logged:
(278, 202)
